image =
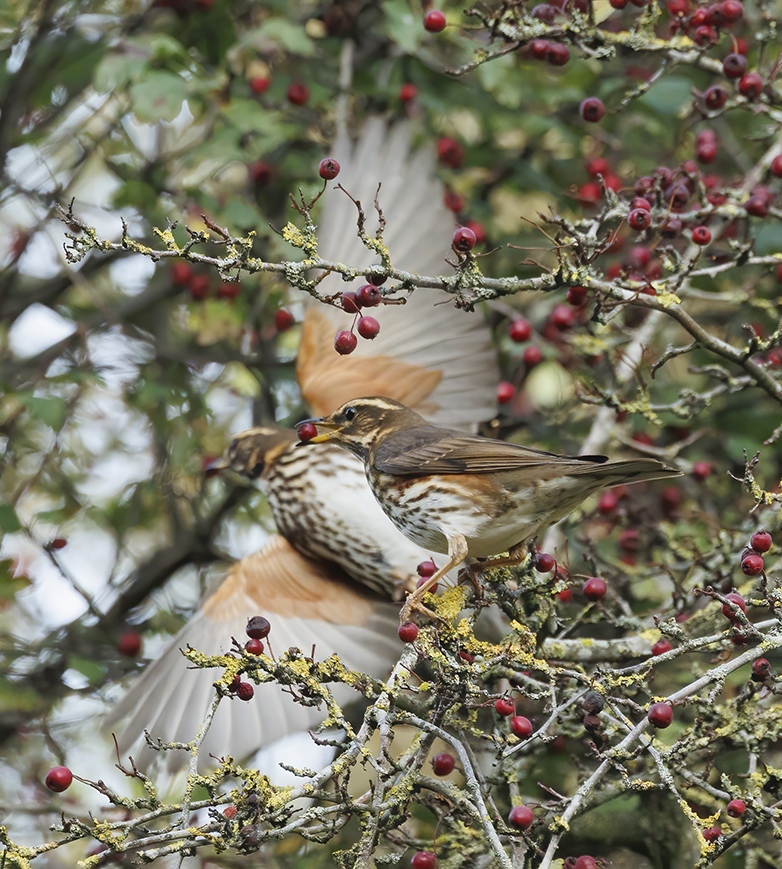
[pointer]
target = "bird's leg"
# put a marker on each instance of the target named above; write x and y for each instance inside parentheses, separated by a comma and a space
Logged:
(516, 555)
(457, 552)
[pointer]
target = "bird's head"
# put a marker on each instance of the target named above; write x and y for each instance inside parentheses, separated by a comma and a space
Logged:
(252, 451)
(359, 425)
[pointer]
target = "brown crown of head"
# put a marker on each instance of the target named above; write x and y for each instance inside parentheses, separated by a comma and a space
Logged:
(252, 451)
(359, 424)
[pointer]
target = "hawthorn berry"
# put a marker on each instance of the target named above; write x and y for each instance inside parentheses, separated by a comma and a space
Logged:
(660, 715)
(736, 808)
(60, 542)
(734, 65)
(245, 691)
(261, 172)
(735, 598)
(557, 54)
(407, 92)
(760, 541)
(258, 627)
(607, 502)
(544, 562)
(751, 85)
(298, 93)
(704, 35)
(521, 817)
(283, 320)
(505, 392)
(589, 194)
(504, 706)
(576, 296)
(368, 327)
(706, 150)
(752, 564)
(426, 569)
(671, 228)
(761, 670)
(259, 85)
(466, 656)
(544, 12)
(594, 588)
(478, 229)
(463, 239)
(227, 290)
(434, 21)
(254, 647)
(592, 109)
(585, 862)
(562, 317)
(531, 357)
(450, 152)
(757, 205)
(712, 834)
(328, 168)
(423, 860)
(701, 235)
(180, 274)
(368, 296)
(198, 285)
(538, 48)
(639, 219)
(520, 330)
(701, 470)
(776, 166)
(58, 779)
(306, 431)
(350, 302)
(443, 764)
(345, 343)
(661, 647)
(731, 10)
(408, 632)
(521, 726)
(129, 644)
(618, 4)
(453, 201)
(715, 97)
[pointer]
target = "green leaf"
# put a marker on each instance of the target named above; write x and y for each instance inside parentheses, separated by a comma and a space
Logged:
(95, 673)
(668, 95)
(404, 28)
(9, 522)
(289, 36)
(50, 411)
(159, 97)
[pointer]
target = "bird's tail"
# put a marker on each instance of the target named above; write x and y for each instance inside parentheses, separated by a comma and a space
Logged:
(633, 471)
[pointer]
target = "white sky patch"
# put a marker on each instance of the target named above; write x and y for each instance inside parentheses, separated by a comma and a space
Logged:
(36, 329)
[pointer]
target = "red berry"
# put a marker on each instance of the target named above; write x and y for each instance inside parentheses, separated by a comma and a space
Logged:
(466, 656)
(227, 290)
(545, 12)
(594, 588)
(761, 670)
(306, 431)
(712, 834)
(760, 541)
(407, 92)
(736, 598)
(660, 715)
(423, 860)
(129, 644)
(198, 286)
(298, 93)
(423, 580)
(706, 152)
(640, 202)
(538, 48)
(704, 35)
(245, 691)
(59, 542)
(258, 628)
(520, 330)
(180, 274)
(477, 228)
(752, 564)
(450, 152)
(544, 563)
(426, 569)
(701, 470)
(661, 647)
(557, 54)
(585, 862)
(408, 632)
(757, 205)
(715, 97)
(701, 235)
(731, 10)
(639, 219)
(453, 201)
(261, 172)
(734, 65)
(592, 109)
(443, 764)
(521, 817)
(598, 166)
(562, 317)
(576, 296)
(531, 357)
(259, 85)
(521, 726)
(328, 168)
(254, 647)
(434, 21)
(283, 320)
(350, 302)
(736, 808)
(345, 343)
(368, 327)
(230, 812)
(589, 194)
(58, 779)
(463, 239)
(751, 85)
(776, 166)
(368, 296)
(504, 706)
(608, 502)
(505, 392)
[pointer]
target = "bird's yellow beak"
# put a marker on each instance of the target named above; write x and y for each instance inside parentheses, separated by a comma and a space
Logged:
(331, 430)
(219, 464)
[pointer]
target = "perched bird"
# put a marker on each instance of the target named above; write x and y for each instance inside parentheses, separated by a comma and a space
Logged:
(461, 494)
(329, 578)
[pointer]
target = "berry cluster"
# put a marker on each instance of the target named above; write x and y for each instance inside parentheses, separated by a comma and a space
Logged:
(366, 296)
(199, 284)
(752, 557)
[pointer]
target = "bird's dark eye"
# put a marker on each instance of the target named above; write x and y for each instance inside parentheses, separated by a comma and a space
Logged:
(234, 445)
(350, 413)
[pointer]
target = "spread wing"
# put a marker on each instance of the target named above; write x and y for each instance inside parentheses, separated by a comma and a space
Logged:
(307, 602)
(429, 355)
